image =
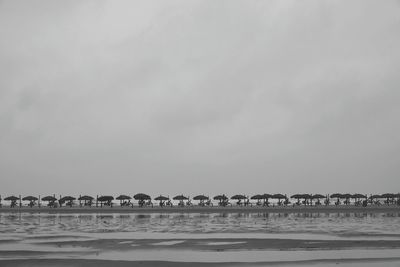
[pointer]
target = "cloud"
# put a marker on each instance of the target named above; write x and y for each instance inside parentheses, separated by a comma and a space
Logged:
(187, 95)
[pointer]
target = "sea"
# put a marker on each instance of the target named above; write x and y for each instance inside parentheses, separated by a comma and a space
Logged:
(281, 238)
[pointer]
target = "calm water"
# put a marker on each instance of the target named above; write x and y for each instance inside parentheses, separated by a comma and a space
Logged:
(50, 235)
(333, 224)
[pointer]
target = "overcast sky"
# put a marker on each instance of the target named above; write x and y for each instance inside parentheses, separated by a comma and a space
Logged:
(110, 97)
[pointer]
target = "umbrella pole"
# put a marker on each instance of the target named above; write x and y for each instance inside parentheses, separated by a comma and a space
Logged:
(20, 203)
(39, 202)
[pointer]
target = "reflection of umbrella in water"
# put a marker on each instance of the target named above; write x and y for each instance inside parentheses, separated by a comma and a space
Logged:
(141, 196)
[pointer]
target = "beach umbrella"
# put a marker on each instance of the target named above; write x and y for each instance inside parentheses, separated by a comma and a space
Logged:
(141, 196)
(85, 198)
(238, 197)
(49, 198)
(267, 196)
(30, 198)
(375, 196)
(257, 197)
(105, 198)
(161, 198)
(67, 198)
(220, 197)
(317, 196)
(201, 197)
(337, 195)
(356, 196)
(278, 196)
(11, 198)
(387, 195)
(180, 197)
(297, 196)
(123, 197)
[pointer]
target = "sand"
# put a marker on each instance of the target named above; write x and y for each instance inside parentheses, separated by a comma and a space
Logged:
(198, 209)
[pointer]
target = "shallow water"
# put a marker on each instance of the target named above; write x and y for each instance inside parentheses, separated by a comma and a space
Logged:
(50, 235)
(331, 224)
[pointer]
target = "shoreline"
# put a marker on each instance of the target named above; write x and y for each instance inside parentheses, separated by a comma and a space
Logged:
(199, 209)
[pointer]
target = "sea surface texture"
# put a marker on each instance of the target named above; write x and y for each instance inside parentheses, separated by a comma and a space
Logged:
(353, 239)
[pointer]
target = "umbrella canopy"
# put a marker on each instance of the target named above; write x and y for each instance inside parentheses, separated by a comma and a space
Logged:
(201, 197)
(388, 195)
(266, 196)
(67, 198)
(278, 196)
(220, 197)
(105, 198)
(141, 196)
(180, 197)
(30, 198)
(376, 196)
(297, 196)
(238, 197)
(257, 197)
(161, 198)
(123, 197)
(49, 198)
(347, 196)
(337, 195)
(317, 196)
(11, 198)
(358, 196)
(85, 198)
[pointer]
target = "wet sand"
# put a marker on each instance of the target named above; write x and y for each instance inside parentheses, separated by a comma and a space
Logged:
(198, 209)
(103, 263)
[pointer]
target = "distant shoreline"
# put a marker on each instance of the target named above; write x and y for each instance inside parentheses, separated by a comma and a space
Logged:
(199, 209)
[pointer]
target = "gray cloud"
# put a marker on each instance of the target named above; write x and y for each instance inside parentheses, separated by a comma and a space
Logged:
(194, 96)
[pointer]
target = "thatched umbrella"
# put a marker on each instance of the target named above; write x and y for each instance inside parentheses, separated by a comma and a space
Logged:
(220, 198)
(181, 198)
(68, 199)
(161, 199)
(122, 198)
(50, 199)
(388, 196)
(201, 198)
(13, 200)
(257, 197)
(317, 197)
(142, 196)
(31, 200)
(86, 199)
(337, 196)
(107, 199)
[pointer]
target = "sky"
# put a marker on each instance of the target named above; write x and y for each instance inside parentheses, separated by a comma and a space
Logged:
(193, 97)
